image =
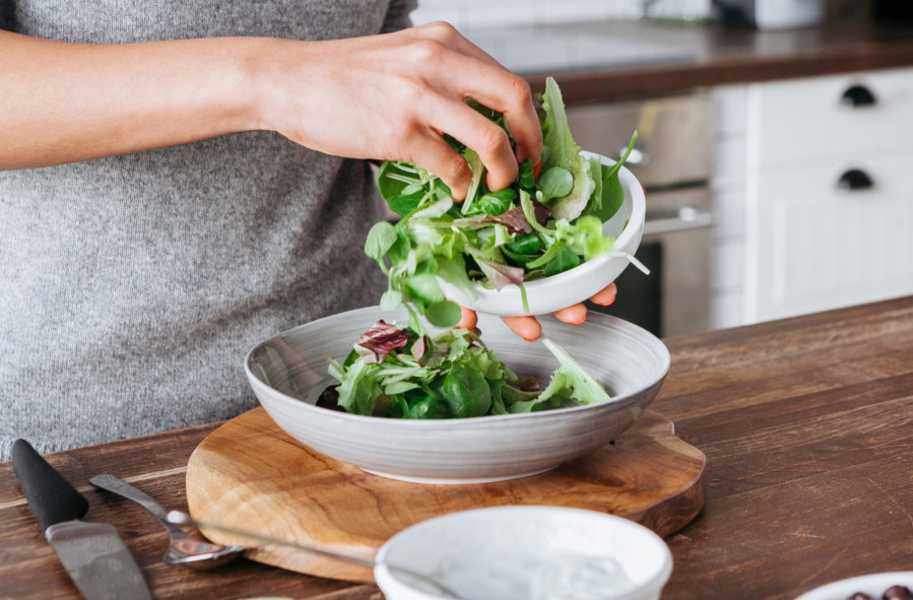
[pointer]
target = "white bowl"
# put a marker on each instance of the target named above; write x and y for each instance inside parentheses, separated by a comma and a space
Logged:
(874, 585)
(576, 285)
(288, 372)
(461, 550)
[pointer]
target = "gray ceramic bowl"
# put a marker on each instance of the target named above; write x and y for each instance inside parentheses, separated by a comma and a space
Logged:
(288, 372)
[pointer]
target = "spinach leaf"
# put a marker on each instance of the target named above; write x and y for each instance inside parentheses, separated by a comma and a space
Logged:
(527, 176)
(496, 203)
(380, 239)
(406, 203)
(466, 391)
(558, 258)
(443, 314)
(556, 182)
(424, 288)
(526, 243)
(563, 260)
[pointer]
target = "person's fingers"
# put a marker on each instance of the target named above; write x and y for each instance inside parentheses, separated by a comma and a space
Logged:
(497, 88)
(428, 150)
(485, 137)
(605, 296)
(527, 328)
(468, 318)
(572, 315)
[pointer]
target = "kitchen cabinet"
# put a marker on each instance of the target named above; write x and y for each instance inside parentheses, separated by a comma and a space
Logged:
(823, 173)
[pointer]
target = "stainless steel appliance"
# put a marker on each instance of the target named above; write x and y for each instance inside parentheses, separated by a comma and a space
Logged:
(673, 161)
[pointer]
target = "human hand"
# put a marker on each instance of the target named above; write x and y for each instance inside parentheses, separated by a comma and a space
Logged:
(393, 96)
(530, 329)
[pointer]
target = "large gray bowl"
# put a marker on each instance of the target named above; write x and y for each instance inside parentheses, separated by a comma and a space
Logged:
(288, 372)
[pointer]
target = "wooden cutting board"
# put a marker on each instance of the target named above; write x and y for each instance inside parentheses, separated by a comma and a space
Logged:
(249, 474)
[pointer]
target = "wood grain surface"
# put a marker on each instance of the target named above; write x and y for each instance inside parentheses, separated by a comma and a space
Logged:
(712, 55)
(806, 424)
(249, 474)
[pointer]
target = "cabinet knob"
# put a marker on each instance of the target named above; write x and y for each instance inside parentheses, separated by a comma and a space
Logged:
(855, 180)
(858, 96)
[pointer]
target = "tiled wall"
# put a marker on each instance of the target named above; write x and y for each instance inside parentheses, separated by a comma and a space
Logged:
(467, 15)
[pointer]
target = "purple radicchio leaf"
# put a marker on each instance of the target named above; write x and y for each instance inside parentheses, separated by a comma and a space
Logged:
(500, 275)
(381, 339)
(542, 213)
(513, 219)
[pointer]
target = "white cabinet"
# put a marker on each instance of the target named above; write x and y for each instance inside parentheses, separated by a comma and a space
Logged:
(860, 114)
(810, 244)
(815, 246)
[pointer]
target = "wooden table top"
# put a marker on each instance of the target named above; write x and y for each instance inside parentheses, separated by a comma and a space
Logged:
(806, 424)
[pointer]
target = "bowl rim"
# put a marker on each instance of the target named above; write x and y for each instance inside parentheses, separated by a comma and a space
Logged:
(629, 183)
(823, 591)
(659, 579)
(619, 402)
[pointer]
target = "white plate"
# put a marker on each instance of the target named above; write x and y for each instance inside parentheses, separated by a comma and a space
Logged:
(513, 545)
(576, 285)
(874, 585)
(288, 372)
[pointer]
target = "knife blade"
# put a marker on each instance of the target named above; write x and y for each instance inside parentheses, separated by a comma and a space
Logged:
(93, 554)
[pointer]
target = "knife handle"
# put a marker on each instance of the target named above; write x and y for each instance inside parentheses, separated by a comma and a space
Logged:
(51, 498)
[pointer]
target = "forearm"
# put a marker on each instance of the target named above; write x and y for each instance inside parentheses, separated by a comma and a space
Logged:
(67, 102)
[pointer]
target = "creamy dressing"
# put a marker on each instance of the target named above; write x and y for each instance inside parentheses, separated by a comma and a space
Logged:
(528, 576)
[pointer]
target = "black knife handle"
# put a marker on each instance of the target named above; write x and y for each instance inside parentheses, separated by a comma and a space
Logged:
(51, 498)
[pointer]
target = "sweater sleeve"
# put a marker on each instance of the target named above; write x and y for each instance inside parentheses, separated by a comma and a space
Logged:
(397, 15)
(7, 15)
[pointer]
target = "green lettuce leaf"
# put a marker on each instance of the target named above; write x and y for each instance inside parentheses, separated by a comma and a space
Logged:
(564, 152)
(569, 382)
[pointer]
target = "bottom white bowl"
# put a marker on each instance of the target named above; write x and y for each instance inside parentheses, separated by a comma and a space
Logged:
(526, 553)
(288, 372)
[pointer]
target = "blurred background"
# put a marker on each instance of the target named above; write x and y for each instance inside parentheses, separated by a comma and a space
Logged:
(776, 141)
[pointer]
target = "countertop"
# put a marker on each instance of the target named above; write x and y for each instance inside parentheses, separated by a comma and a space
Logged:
(806, 424)
(615, 60)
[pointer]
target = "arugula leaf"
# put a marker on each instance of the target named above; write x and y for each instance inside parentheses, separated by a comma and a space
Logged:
(609, 195)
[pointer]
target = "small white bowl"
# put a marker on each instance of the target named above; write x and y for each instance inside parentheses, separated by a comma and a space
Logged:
(507, 545)
(874, 585)
(289, 371)
(576, 285)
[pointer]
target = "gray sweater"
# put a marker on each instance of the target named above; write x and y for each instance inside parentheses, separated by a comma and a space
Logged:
(132, 287)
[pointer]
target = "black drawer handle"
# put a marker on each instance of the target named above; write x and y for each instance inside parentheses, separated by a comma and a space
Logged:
(855, 180)
(858, 96)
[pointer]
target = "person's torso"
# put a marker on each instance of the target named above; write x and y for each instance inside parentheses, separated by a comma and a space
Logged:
(131, 286)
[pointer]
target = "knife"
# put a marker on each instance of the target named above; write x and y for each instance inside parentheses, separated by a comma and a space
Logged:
(92, 553)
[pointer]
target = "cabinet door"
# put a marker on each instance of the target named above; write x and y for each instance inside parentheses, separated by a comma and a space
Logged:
(798, 122)
(812, 245)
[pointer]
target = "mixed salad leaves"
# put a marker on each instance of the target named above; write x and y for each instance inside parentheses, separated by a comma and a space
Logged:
(402, 373)
(541, 225)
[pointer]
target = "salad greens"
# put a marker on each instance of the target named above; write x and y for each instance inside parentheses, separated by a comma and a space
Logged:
(537, 227)
(403, 373)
